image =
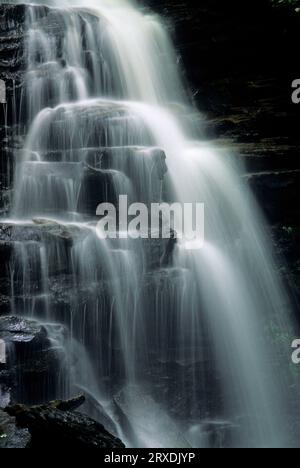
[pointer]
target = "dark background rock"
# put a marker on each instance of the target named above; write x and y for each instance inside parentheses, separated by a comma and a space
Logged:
(33, 366)
(12, 69)
(12, 63)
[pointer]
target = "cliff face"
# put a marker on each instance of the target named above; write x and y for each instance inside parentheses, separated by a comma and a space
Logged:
(12, 68)
(12, 34)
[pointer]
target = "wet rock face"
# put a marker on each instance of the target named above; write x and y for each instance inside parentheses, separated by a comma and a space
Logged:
(56, 425)
(30, 361)
(278, 190)
(12, 71)
(27, 239)
(10, 435)
(19, 330)
(29, 373)
(12, 34)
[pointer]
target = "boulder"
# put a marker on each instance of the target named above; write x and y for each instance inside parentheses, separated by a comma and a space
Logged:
(12, 436)
(56, 425)
(20, 330)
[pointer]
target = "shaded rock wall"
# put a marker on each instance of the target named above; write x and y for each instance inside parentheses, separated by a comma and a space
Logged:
(32, 368)
(12, 64)
(55, 424)
(12, 69)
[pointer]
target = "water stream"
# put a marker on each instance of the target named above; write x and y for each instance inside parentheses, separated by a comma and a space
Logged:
(179, 353)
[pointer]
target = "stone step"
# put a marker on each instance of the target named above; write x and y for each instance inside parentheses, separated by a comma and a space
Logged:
(92, 123)
(102, 175)
(47, 241)
(142, 165)
(104, 157)
(47, 266)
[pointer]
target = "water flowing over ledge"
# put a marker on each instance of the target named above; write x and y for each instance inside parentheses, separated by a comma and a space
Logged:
(179, 344)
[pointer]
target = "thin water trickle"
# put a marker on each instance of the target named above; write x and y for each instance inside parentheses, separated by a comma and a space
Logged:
(183, 349)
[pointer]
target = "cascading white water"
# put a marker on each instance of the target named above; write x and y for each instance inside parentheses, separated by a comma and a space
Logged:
(105, 103)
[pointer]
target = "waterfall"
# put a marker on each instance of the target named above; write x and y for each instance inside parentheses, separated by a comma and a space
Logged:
(179, 352)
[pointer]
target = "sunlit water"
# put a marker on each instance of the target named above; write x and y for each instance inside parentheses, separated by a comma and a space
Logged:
(186, 349)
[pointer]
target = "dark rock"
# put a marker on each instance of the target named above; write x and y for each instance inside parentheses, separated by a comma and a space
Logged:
(54, 425)
(66, 234)
(32, 364)
(286, 241)
(10, 435)
(5, 304)
(69, 405)
(109, 158)
(145, 167)
(278, 190)
(39, 229)
(12, 63)
(7, 166)
(98, 186)
(19, 330)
